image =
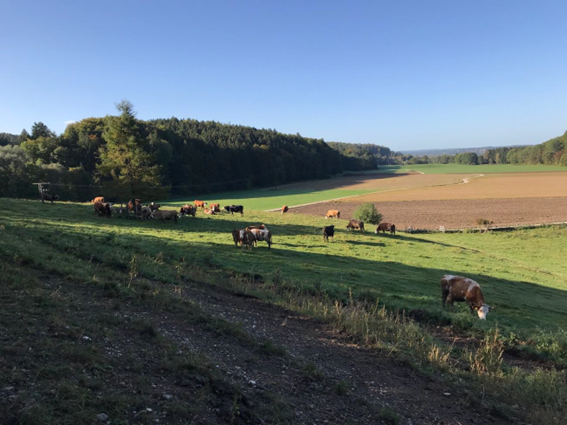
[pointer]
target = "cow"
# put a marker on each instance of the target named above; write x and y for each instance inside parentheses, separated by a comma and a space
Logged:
(234, 209)
(187, 210)
(102, 209)
(256, 226)
(333, 213)
(146, 213)
(355, 225)
(46, 197)
(135, 205)
(209, 212)
(386, 227)
(200, 204)
(215, 208)
(243, 237)
(261, 233)
(164, 215)
(328, 232)
(153, 206)
(121, 210)
(285, 209)
(97, 199)
(463, 289)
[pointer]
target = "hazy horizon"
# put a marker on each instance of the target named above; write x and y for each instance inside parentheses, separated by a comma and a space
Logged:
(409, 75)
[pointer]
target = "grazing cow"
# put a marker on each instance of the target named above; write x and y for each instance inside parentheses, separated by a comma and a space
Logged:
(153, 206)
(234, 209)
(164, 215)
(97, 199)
(458, 288)
(386, 227)
(188, 210)
(328, 232)
(355, 225)
(103, 209)
(285, 209)
(46, 197)
(333, 213)
(200, 204)
(243, 237)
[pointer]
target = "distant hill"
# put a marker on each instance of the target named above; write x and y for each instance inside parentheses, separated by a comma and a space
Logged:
(452, 151)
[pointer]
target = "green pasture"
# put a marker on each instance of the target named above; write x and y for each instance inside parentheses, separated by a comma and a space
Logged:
(523, 273)
(267, 199)
(474, 169)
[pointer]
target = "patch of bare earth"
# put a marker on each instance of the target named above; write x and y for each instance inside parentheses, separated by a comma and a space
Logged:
(70, 350)
(455, 214)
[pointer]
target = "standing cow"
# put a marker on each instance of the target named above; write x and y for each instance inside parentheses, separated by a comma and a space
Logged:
(333, 214)
(261, 233)
(463, 289)
(356, 225)
(328, 232)
(386, 227)
(234, 209)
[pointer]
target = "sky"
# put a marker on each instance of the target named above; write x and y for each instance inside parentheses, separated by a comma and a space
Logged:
(403, 74)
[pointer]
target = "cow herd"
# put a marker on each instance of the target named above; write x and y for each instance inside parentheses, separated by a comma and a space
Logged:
(453, 288)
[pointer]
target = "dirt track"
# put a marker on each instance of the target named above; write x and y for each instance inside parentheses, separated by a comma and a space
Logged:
(455, 213)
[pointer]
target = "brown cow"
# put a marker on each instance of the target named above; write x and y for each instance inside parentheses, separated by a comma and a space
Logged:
(215, 208)
(188, 210)
(328, 232)
(285, 209)
(243, 237)
(200, 204)
(333, 213)
(355, 225)
(164, 215)
(386, 227)
(97, 199)
(102, 209)
(135, 205)
(463, 289)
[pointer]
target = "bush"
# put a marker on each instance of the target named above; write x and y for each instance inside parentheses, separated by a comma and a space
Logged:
(368, 213)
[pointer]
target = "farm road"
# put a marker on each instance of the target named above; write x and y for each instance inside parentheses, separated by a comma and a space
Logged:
(373, 380)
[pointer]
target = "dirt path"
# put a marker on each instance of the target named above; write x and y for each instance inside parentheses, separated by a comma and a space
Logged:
(318, 360)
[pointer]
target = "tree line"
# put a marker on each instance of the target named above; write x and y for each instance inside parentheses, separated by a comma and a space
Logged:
(121, 157)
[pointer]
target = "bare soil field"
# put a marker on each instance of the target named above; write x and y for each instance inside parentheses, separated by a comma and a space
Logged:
(380, 182)
(454, 213)
(489, 186)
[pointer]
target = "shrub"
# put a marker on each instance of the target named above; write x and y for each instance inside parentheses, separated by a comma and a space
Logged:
(368, 213)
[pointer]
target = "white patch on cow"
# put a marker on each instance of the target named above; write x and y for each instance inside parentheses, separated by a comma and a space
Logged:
(483, 311)
(447, 277)
(471, 283)
(242, 234)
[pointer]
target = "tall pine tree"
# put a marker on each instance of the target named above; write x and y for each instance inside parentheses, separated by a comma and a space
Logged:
(126, 169)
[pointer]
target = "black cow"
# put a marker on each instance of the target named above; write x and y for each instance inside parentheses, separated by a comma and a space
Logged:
(328, 232)
(234, 209)
(46, 197)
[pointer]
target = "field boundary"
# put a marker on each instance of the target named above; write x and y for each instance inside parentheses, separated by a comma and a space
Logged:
(505, 227)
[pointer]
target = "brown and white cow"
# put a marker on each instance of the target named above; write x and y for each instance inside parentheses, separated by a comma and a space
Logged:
(200, 204)
(356, 225)
(261, 233)
(333, 213)
(215, 208)
(463, 289)
(386, 227)
(285, 209)
(97, 199)
(243, 237)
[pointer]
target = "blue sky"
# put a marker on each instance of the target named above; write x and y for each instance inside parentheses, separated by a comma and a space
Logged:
(404, 74)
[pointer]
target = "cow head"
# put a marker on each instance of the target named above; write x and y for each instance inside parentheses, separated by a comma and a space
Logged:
(483, 311)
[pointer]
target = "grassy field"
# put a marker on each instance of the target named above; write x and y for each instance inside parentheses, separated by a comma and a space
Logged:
(522, 273)
(265, 199)
(67, 274)
(473, 169)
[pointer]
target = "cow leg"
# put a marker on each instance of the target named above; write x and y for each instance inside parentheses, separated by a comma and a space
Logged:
(444, 298)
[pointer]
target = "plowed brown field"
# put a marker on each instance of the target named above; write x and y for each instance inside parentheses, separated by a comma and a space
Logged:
(455, 214)
(489, 186)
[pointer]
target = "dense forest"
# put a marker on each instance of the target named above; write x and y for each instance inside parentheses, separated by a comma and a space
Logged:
(121, 156)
